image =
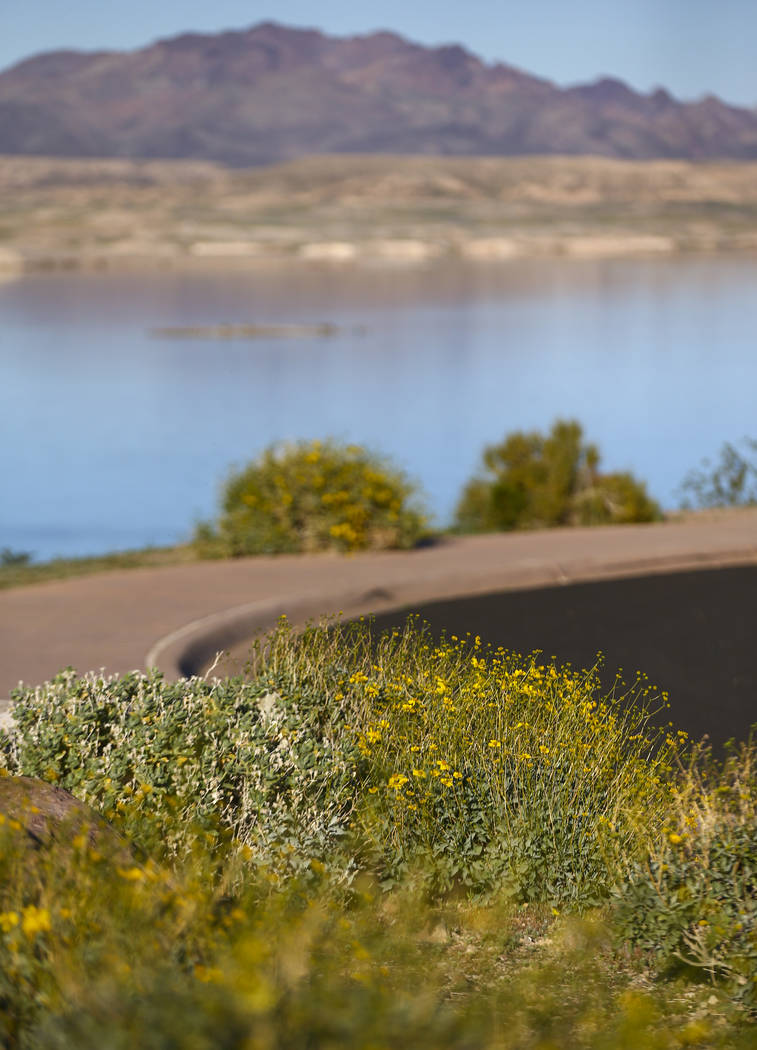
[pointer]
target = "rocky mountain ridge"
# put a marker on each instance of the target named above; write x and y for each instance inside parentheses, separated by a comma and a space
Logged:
(272, 93)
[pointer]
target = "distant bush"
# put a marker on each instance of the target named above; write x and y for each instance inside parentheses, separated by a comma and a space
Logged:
(314, 496)
(13, 559)
(731, 482)
(533, 481)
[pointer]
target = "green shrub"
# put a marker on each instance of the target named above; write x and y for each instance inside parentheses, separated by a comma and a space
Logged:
(731, 482)
(533, 481)
(314, 496)
(174, 762)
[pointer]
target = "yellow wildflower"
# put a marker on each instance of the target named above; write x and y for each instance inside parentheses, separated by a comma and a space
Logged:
(131, 874)
(35, 920)
(208, 974)
(8, 919)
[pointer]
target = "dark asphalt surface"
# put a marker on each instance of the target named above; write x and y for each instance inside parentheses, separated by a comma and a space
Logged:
(693, 633)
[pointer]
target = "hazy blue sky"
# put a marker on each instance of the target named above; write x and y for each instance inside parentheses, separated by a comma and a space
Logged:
(690, 46)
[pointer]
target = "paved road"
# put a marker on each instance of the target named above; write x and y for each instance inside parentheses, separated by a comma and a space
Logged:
(176, 617)
(116, 620)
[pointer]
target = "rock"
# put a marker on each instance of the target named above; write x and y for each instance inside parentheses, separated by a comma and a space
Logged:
(51, 814)
(328, 251)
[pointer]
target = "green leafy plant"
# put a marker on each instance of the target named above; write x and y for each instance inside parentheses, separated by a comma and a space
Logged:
(531, 480)
(314, 496)
(731, 482)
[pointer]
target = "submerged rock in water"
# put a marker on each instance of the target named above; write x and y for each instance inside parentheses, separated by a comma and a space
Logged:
(246, 331)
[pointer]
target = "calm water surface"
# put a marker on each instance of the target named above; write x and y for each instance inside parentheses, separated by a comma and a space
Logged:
(114, 439)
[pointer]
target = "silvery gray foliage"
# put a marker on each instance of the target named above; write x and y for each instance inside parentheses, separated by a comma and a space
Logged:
(261, 762)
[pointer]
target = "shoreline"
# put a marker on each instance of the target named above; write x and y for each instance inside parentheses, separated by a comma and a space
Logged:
(485, 252)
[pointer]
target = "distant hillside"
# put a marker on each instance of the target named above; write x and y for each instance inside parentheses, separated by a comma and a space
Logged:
(273, 93)
(349, 208)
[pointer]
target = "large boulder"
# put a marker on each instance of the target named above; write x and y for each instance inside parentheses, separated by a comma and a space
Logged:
(51, 814)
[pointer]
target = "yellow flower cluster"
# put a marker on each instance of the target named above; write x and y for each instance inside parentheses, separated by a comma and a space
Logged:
(32, 921)
(8, 920)
(461, 725)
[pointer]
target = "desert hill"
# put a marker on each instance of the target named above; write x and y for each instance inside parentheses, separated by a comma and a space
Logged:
(272, 93)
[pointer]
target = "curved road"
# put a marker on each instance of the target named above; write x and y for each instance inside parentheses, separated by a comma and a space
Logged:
(691, 633)
(177, 617)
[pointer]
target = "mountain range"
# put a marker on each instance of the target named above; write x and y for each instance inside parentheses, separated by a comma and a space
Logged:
(272, 93)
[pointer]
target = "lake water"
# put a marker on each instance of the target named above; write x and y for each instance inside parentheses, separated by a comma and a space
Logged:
(113, 439)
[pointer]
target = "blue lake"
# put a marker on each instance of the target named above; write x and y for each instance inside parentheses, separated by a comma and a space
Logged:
(113, 439)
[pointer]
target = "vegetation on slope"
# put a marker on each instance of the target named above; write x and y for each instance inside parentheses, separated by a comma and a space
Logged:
(19, 570)
(377, 842)
(323, 495)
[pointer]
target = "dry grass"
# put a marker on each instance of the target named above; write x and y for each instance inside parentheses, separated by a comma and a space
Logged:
(66, 568)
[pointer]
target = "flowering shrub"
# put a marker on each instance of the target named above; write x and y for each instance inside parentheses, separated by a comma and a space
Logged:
(314, 496)
(489, 769)
(533, 481)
